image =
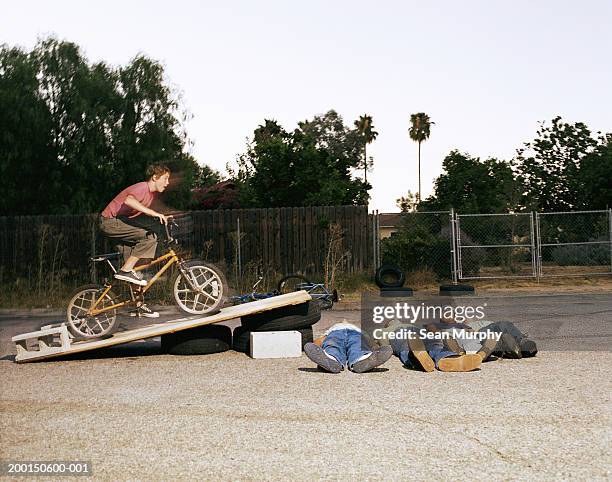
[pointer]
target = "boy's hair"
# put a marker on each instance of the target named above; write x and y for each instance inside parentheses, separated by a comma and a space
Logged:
(157, 170)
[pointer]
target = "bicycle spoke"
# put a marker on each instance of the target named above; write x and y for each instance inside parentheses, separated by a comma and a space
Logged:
(89, 326)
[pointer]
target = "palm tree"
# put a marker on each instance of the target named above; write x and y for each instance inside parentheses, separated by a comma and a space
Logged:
(419, 132)
(366, 131)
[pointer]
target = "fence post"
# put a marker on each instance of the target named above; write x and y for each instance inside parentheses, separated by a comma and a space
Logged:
(610, 236)
(239, 250)
(453, 247)
(94, 273)
(373, 240)
(377, 240)
(458, 247)
(538, 242)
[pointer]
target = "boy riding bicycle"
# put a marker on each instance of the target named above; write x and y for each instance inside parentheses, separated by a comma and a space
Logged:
(136, 235)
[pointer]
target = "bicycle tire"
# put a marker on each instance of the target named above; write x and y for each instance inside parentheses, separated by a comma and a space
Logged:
(87, 330)
(324, 304)
(210, 277)
(287, 282)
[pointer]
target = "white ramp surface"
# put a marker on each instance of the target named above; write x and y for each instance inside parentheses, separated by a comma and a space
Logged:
(66, 346)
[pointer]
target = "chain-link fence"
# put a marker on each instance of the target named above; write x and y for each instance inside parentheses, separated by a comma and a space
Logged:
(420, 243)
(576, 243)
(489, 246)
(495, 246)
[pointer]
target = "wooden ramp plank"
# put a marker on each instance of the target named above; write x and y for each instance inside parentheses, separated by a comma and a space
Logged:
(162, 328)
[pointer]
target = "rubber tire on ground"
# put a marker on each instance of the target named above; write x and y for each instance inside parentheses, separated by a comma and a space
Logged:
(242, 338)
(400, 292)
(456, 290)
(286, 318)
(202, 340)
(386, 270)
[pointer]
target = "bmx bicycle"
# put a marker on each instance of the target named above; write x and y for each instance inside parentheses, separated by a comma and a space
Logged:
(198, 289)
(318, 291)
(253, 295)
(288, 284)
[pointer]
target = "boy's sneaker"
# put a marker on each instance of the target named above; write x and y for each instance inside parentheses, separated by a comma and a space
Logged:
(130, 277)
(144, 310)
(376, 358)
(325, 361)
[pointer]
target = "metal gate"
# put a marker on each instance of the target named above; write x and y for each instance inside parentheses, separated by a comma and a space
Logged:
(490, 246)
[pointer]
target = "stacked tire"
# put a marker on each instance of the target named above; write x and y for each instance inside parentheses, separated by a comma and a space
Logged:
(390, 279)
(287, 318)
(202, 340)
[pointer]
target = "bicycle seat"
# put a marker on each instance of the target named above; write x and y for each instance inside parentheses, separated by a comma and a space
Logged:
(104, 257)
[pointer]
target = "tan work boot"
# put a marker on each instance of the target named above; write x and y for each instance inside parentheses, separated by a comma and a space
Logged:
(462, 363)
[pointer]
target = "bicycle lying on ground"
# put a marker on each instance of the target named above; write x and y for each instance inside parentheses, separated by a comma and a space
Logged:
(253, 295)
(288, 284)
(198, 289)
(318, 291)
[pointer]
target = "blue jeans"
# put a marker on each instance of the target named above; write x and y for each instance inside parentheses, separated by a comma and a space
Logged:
(346, 346)
(435, 349)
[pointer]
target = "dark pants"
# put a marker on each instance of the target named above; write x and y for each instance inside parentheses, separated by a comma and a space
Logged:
(132, 237)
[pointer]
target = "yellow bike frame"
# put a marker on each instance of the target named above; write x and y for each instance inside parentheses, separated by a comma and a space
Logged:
(170, 256)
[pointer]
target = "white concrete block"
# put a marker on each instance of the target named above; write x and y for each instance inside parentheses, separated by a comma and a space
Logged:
(276, 344)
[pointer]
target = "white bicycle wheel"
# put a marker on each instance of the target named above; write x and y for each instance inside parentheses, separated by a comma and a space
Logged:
(83, 326)
(210, 289)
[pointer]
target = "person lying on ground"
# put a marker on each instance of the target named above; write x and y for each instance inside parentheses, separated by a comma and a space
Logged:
(345, 344)
(510, 342)
(417, 350)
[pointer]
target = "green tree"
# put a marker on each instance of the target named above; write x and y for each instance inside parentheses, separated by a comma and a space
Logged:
(420, 127)
(206, 176)
(407, 204)
(27, 160)
(85, 131)
(368, 135)
(472, 186)
(594, 177)
(309, 167)
(549, 165)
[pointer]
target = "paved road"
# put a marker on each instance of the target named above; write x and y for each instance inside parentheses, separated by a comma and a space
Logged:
(135, 413)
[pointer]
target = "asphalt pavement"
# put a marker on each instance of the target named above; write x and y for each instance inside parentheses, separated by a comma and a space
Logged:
(135, 413)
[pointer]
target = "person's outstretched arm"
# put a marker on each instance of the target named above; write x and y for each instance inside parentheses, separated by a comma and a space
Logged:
(132, 202)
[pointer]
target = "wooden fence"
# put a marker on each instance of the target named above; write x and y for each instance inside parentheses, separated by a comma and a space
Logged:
(284, 239)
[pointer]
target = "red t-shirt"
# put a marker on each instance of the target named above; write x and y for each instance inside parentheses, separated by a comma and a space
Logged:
(140, 192)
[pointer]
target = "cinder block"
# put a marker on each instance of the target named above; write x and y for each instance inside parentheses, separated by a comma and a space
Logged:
(276, 344)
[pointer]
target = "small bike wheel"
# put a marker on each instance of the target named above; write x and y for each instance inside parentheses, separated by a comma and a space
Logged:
(291, 283)
(84, 326)
(211, 289)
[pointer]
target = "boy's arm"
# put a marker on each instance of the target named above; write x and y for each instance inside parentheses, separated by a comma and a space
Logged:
(132, 202)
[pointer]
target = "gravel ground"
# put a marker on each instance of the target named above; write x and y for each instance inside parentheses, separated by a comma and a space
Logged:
(137, 414)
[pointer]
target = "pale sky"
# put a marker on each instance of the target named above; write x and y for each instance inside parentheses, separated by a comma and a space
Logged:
(485, 71)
